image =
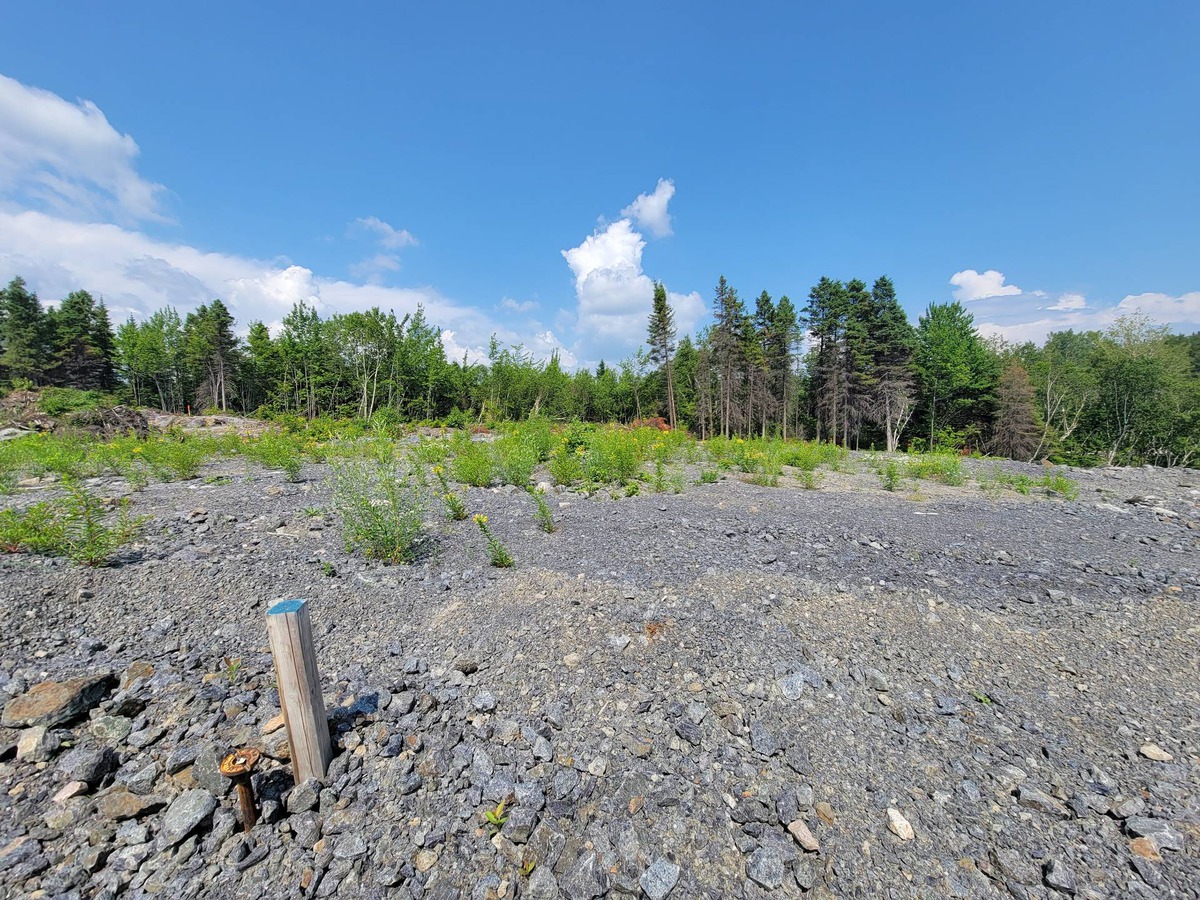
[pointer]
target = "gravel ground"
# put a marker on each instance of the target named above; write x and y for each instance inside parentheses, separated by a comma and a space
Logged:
(737, 691)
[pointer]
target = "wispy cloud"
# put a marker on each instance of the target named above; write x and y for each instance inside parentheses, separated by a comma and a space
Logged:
(66, 158)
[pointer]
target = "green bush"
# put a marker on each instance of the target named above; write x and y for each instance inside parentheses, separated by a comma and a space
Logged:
(612, 456)
(176, 458)
(472, 463)
(889, 475)
(276, 451)
(545, 518)
(566, 464)
(1057, 483)
(381, 512)
(513, 459)
(57, 401)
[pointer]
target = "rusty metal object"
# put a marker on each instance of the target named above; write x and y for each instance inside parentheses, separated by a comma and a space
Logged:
(238, 767)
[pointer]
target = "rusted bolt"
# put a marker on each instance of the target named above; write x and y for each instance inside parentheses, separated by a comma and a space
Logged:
(238, 767)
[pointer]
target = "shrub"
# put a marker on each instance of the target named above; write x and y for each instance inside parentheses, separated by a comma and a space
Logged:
(431, 451)
(276, 451)
(455, 508)
(566, 464)
(612, 455)
(381, 512)
(889, 475)
(1057, 483)
(709, 476)
(513, 459)
(943, 467)
(172, 458)
(472, 462)
(56, 401)
(811, 479)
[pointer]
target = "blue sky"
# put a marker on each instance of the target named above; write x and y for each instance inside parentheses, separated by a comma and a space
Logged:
(486, 159)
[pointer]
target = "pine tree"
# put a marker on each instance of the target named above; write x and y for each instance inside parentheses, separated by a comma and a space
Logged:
(662, 344)
(957, 372)
(825, 316)
(785, 335)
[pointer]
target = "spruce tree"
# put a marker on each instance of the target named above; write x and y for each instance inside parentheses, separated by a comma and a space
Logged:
(662, 344)
(22, 333)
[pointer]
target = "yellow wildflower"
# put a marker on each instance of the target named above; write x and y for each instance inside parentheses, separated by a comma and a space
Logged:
(479, 519)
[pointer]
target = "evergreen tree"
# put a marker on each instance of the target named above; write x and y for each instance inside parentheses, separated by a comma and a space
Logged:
(80, 340)
(23, 333)
(662, 344)
(825, 316)
(892, 400)
(211, 352)
(785, 335)
(727, 350)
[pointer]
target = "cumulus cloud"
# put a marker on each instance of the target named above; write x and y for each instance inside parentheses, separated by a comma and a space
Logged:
(1181, 310)
(389, 239)
(613, 293)
(971, 285)
(649, 211)
(66, 157)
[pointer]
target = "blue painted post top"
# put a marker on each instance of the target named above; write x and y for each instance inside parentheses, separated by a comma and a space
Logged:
(286, 606)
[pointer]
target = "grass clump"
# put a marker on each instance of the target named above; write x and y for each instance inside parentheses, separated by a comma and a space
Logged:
(566, 463)
(174, 458)
(497, 552)
(1057, 483)
(276, 451)
(514, 457)
(381, 512)
(612, 455)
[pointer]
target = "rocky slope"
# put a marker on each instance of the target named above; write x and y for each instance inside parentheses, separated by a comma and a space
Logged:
(738, 691)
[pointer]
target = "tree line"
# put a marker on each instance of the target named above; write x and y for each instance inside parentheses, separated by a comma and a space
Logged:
(846, 366)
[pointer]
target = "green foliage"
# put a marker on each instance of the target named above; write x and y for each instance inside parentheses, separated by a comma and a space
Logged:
(381, 512)
(472, 463)
(811, 479)
(566, 463)
(57, 401)
(233, 665)
(514, 457)
(1057, 483)
(709, 476)
(456, 509)
(276, 451)
(943, 467)
(432, 451)
(890, 475)
(545, 518)
(612, 455)
(497, 552)
(76, 526)
(176, 457)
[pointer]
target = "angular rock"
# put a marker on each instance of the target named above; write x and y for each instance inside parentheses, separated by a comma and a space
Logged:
(1059, 877)
(119, 805)
(53, 703)
(1155, 752)
(1160, 831)
(185, 814)
(803, 836)
(898, 825)
(1031, 798)
(765, 867)
(659, 879)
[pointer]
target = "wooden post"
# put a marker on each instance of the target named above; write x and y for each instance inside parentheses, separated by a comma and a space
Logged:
(290, 632)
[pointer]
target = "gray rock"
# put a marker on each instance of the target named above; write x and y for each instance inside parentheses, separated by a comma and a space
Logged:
(1160, 831)
(142, 780)
(184, 815)
(587, 879)
(765, 867)
(1059, 877)
(763, 740)
(541, 885)
(181, 758)
(659, 879)
(304, 796)
(88, 764)
(1032, 798)
(484, 702)
(206, 770)
(876, 680)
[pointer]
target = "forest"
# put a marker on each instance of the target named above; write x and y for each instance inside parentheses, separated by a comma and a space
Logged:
(845, 366)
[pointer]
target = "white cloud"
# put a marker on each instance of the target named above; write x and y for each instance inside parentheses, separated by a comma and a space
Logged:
(971, 285)
(136, 274)
(66, 157)
(523, 306)
(1181, 310)
(545, 344)
(650, 210)
(1066, 301)
(389, 238)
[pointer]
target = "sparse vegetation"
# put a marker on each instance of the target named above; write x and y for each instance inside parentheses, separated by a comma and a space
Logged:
(497, 552)
(545, 518)
(381, 512)
(77, 526)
